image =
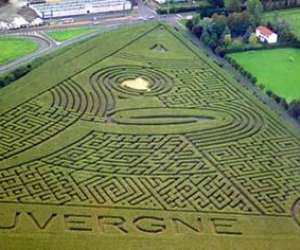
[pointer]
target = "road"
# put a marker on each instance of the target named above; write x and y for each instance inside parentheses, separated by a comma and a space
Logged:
(47, 45)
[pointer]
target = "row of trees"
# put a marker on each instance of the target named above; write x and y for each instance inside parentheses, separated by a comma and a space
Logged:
(14, 75)
(267, 4)
(293, 108)
(280, 4)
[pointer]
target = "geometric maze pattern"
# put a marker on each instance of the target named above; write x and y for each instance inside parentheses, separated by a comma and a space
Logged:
(250, 165)
(29, 124)
(42, 183)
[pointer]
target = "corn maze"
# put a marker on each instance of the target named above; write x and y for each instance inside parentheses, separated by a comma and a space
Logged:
(88, 163)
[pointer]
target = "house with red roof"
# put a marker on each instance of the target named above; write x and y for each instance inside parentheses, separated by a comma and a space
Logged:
(264, 34)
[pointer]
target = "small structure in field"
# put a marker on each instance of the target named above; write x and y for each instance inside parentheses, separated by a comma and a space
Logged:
(264, 34)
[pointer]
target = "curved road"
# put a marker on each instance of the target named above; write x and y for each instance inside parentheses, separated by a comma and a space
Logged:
(44, 45)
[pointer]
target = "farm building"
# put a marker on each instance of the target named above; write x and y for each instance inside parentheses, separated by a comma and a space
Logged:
(264, 34)
(66, 8)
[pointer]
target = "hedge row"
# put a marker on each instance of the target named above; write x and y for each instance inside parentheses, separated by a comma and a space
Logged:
(293, 107)
(238, 67)
(14, 75)
(10, 77)
(204, 9)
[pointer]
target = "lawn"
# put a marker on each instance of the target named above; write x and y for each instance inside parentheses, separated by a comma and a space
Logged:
(66, 34)
(136, 140)
(277, 69)
(11, 48)
(292, 16)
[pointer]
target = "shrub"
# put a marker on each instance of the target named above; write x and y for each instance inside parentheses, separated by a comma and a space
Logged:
(220, 51)
(294, 109)
(269, 92)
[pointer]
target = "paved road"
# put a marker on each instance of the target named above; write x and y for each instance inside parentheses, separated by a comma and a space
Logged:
(47, 45)
(145, 11)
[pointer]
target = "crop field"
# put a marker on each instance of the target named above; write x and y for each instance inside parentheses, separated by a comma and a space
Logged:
(13, 47)
(276, 69)
(139, 141)
(291, 16)
(66, 34)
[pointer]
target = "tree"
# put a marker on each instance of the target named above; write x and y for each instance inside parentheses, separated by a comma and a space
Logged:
(253, 39)
(218, 24)
(255, 10)
(258, 13)
(217, 3)
(197, 30)
(227, 40)
(247, 35)
(205, 37)
(284, 103)
(294, 108)
(239, 23)
(284, 32)
(196, 20)
(233, 5)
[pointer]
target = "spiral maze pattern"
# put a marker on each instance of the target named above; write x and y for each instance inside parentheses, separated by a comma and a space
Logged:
(113, 77)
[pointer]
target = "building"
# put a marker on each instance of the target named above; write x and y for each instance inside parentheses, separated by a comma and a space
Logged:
(168, 1)
(18, 22)
(266, 35)
(65, 8)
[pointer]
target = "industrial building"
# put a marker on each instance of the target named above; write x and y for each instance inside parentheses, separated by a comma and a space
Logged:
(65, 8)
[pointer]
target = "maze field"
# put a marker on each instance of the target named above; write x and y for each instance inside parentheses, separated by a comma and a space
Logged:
(188, 161)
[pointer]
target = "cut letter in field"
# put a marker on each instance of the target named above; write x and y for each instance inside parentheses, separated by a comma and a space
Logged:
(122, 147)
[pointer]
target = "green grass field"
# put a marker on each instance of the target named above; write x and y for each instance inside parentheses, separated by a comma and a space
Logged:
(138, 141)
(291, 16)
(276, 69)
(66, 34)
(11, 48)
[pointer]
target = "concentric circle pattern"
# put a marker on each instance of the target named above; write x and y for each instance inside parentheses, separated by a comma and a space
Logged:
(113, 77)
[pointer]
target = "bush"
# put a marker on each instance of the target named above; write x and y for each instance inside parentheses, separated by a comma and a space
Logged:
(182, 7)
(269, 93)
(189, 24)
(220, 51)
(14, 75)
(261, 86)
(209, 11)
(197, 30)
(294, 109)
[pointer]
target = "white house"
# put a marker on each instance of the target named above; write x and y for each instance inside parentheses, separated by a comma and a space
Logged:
(266, 35)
